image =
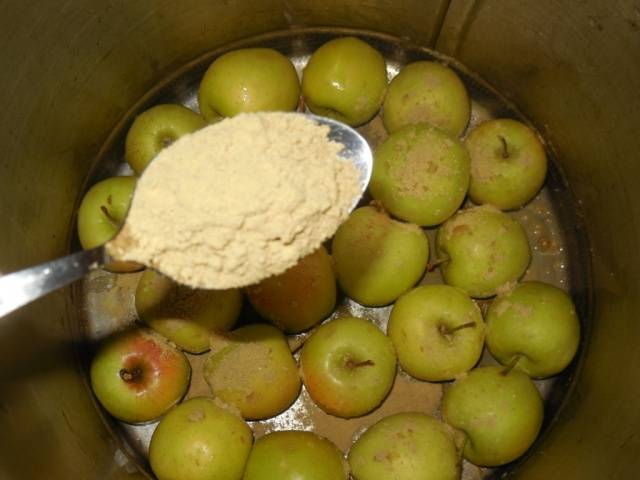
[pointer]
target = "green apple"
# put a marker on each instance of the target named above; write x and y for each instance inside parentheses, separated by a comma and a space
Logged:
(377, 258)
(420, 174)
(155, 129)
(485, 250)
(437, 331)
(427, 92)
(184, 315)
(294, 455)
(138, 375)
(300, 297)
(199, 440)
(102, 212)
(248, 80)
(534, 326)
(500, 412)
(508, 163)
(345, 79)
(405, 446)
(348, 366)
(252, 369)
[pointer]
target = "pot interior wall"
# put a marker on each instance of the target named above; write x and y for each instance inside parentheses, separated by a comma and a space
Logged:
(573, 67)
(70, 72)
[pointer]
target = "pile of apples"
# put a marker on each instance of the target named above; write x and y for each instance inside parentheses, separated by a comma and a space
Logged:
(422, 175)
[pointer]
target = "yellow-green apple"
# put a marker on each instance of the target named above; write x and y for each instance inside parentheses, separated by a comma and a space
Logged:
(348, 366)
(295, 455)
(482, 250)
(377, 258)
(138, 375)
(102, 212)
(248, 80)
(199, 440)
(300, 297)
(420, 174)
(427, 92)
(252, 369)
(405, 446)
(500, 411)
(437, 331)
(184, 315)
(345, 79)
(155, 129)
(535, 327)
(508, 163)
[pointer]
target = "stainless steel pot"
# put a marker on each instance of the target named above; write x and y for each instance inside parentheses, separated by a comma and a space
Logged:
(69, 71)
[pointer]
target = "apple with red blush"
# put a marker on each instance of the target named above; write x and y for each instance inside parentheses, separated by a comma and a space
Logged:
(138, 375)
(348, 366)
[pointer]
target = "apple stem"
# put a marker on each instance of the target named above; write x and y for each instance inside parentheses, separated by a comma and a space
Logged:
(364, 363)
(107, 214)
(505, 150)
(463, 446)
(510, 366)
(130, 375)
(437, 262)
(448, 331)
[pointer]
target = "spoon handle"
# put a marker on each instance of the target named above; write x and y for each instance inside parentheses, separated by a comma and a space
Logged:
(24, 286)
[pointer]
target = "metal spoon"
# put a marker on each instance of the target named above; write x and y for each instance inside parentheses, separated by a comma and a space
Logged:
(25, 286)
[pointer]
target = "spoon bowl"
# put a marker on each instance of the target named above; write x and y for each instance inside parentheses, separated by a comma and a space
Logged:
(356, 149)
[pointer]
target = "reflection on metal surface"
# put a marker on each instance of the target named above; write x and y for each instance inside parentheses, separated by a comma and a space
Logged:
(356, 149)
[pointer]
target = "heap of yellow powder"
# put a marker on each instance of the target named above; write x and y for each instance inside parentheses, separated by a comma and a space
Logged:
(238, 201)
